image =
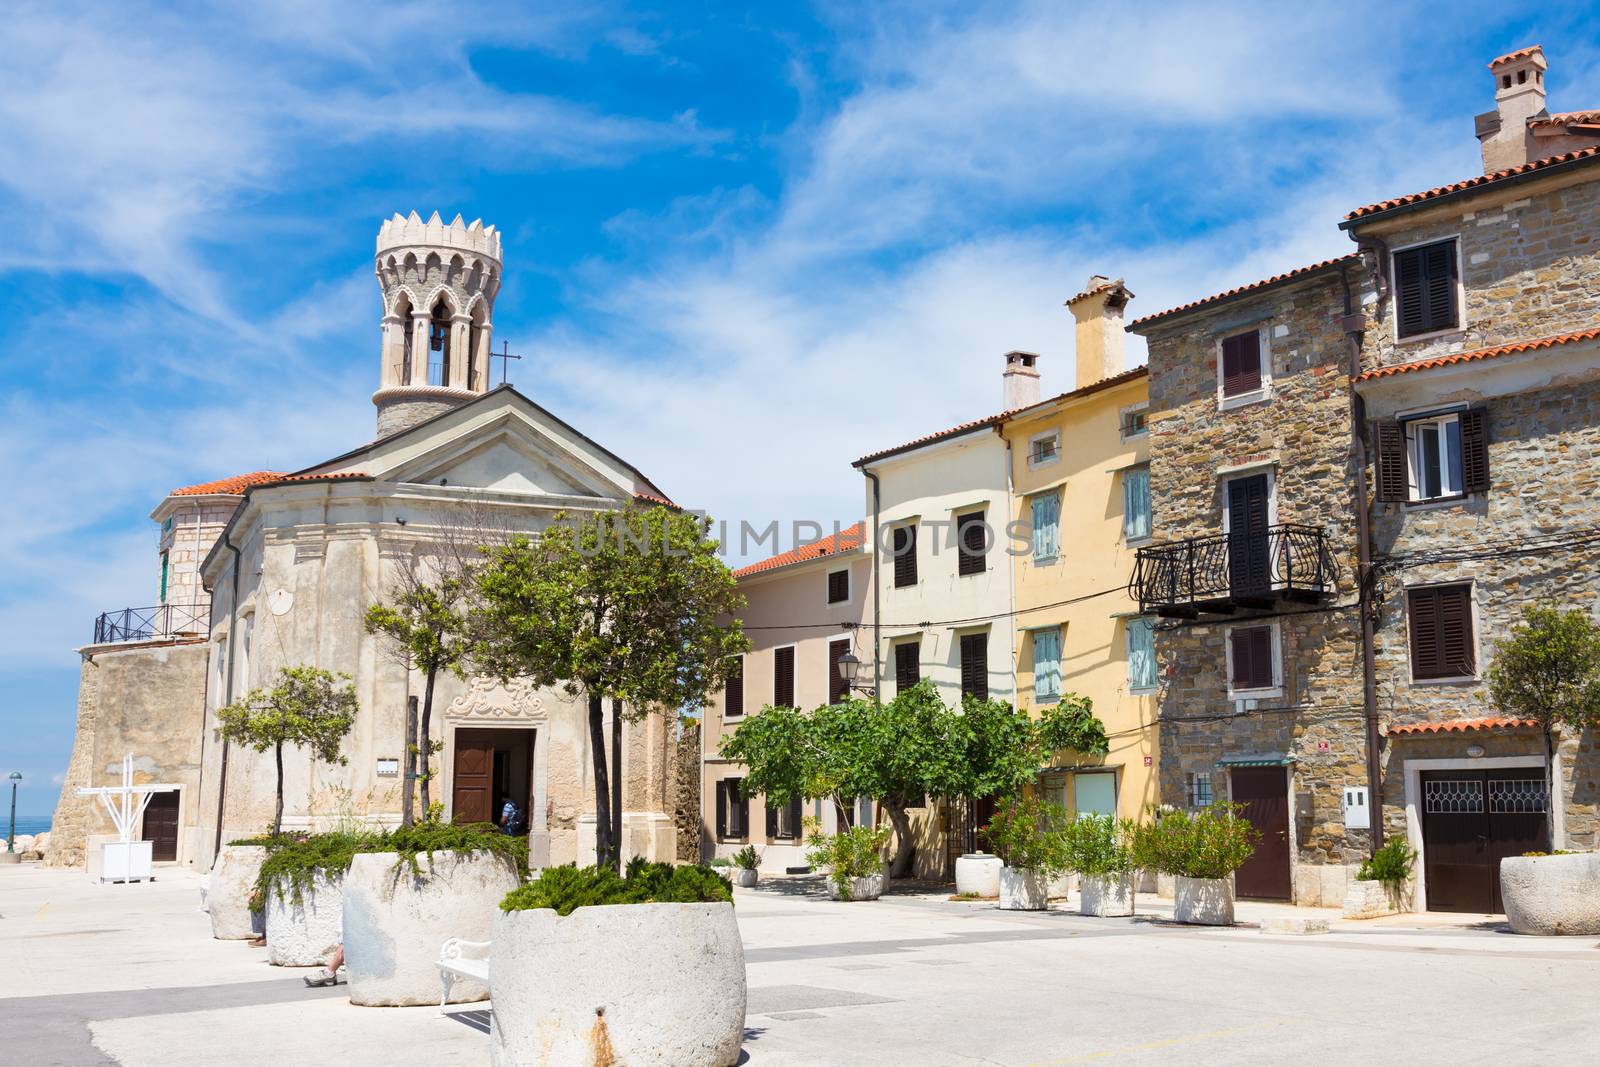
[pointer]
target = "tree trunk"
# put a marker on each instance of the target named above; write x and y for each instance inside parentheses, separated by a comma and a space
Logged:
(408, 770)
(900, 866)
(426, 745)
(277, 815)
(616, 784)
(1549, 788)
(602, 794)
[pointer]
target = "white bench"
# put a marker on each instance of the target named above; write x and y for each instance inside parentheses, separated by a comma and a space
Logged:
(462, 959)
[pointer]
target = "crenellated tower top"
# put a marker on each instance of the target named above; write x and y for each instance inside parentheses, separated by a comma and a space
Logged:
(439, 281)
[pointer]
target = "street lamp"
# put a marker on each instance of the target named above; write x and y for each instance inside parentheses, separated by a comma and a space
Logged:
(11, 832)
(850, 670)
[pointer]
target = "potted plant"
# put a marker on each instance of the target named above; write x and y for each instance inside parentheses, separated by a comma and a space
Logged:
(1028, 834)
(644, 969)
(300, 891)
(1100, 849)
(854, 858)
(411, 889)
(1201, 850)
(745, 862)
(1383, 884)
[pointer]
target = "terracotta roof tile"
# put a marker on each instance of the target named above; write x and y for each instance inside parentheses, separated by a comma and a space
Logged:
(1471, 183)
(1461, 726)
(650, 499)
(1521, 53)
(234, 486)
(1567, 118)
(351, 476)
(1097, 290)
(1481, 353)
(1298, 272)
(846, 540)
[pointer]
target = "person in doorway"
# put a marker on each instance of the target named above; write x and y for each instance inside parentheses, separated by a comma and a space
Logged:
(510, 816)
(328, 975)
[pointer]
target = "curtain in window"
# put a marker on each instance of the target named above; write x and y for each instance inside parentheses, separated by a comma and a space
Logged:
(1141, 654)
(1046, 664)
(1136, 503)
(1046, 526)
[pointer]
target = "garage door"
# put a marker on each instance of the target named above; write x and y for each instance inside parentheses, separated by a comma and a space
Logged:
(1471, 820)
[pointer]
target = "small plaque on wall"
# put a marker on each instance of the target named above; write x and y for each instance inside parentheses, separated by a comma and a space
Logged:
(388, 768)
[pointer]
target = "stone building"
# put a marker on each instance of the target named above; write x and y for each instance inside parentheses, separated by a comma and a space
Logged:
(296, 560)
(1481, 382)
(1253, 570)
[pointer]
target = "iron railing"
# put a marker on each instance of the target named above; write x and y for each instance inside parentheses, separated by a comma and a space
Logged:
(145, 624)
(1227, 571)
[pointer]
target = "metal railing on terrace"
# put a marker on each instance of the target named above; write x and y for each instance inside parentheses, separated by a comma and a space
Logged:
(1224, 572)
(146, 624)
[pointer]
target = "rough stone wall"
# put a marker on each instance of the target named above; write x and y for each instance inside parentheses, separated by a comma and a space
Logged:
(405, 411)
(685, 784)
(1302, 431)
(194, 530)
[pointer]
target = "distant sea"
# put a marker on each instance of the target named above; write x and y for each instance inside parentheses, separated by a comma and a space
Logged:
(26, 824)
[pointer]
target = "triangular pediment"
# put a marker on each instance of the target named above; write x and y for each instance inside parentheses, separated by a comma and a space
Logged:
(508, 461)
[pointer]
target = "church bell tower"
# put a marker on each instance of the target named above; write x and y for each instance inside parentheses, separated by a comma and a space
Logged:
(439, 282)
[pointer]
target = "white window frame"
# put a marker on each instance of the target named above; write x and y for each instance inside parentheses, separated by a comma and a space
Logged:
(849, 588)
(1461, 293)
(1193, 780)
(1255, 396)
(1035, 558)
(1055, 456)
(1061, 648)
(1474, 620)
(1408, 426)
(1127, 646)
(1276, 688)
(1150, 500)
(1122, 420)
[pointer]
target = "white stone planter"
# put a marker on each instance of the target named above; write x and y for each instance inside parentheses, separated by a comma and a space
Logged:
(867, 888)
(1024, 890)
(1203, 901)
(233, 879)
(1552, 894)
(395, 921)
(1372, 899)
(635, 984)
(1106, 896)
(1060, 885)
(306, 934)
(978, 873)
(745, 876)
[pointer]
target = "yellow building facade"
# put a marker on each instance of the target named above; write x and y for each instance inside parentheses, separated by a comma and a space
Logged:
(1080, 477)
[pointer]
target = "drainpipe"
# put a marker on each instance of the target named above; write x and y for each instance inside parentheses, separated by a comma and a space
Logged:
(1354, 331)
(227, 691)
(877, 582)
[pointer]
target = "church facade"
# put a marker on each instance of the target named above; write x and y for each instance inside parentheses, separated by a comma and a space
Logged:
(278, 569)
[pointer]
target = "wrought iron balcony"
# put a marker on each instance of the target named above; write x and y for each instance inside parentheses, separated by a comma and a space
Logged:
(1225, 572)
(146, 624)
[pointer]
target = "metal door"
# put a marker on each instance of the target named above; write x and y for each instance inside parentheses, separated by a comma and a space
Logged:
(1471, 820)
(1264, 794)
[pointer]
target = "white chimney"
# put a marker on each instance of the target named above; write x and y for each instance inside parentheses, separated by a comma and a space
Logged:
(1021, 380)
(1098, 332)
(1505, 138)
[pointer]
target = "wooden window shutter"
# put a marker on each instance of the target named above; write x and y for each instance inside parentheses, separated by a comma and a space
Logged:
(792, 831)
(733, 694)
(970, 537)
(722, 810)
(975, 665)
(838, 586)
(1423, 617)
(1456, 657)
(783, 677)
(837, 688)
(772, 822)
(1241, 363)
(1394, 483)
(1410, 307)
(1252, 657)
(905, 555)
(1439, 266)
(738, 808)
(1475, 450)
(907, 665)
(1425, 285)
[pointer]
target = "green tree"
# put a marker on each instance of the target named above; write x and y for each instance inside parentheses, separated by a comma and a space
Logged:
(634, 605)
(1548, 670)
(307, 706)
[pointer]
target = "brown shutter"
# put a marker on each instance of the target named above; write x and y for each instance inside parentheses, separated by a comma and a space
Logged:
(792, 831)
(1394, 484)
(1422, 609)
(1475, 450)
(1439, 266)
(975, 665)
(772, 822)
(970, 540)
(907, 665)
(905, 555)
(1456, 657)
(1410, 306)
(783, 677)
(733, 694)
(837, 688)
(722, 810)
(738, 809)
(1252, 657)
(838, 586)
(1241, 363)
(1425, 284)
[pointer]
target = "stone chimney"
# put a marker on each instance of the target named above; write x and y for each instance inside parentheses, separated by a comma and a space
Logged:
(1021, 380)
(1098, 334)
(1518, 96)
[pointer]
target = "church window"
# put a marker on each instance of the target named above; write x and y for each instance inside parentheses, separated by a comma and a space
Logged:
(439, 341)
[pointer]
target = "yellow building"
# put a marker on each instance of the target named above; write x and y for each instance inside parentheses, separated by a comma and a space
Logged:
(1081, 505)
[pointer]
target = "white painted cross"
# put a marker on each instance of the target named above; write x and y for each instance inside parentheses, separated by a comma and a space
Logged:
(125, 810)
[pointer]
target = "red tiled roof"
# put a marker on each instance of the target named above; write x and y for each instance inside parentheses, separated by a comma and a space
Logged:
(1521, 53)
(1471, 183)
(345, 476)
(1097, 290)
(1299, 272)
(1481, 353)
(1567, 118)
(1461, 726)
(846, 540)
(234, 486)
(649, 499)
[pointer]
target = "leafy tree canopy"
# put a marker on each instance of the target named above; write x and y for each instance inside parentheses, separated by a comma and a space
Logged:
(306, 706)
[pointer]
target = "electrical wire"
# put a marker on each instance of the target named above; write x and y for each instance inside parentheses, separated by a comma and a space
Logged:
(927, 624)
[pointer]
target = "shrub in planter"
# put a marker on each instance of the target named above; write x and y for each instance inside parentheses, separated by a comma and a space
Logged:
(1552, 894)
(1100, 849)
(745, 862)
(1383, 884)
(300, 888)
(854, 859)
(646, 969)
(411, 889)
(1201, 850)
(1027, 833)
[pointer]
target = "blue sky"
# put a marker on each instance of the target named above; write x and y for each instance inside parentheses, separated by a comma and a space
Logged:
(743, 244)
